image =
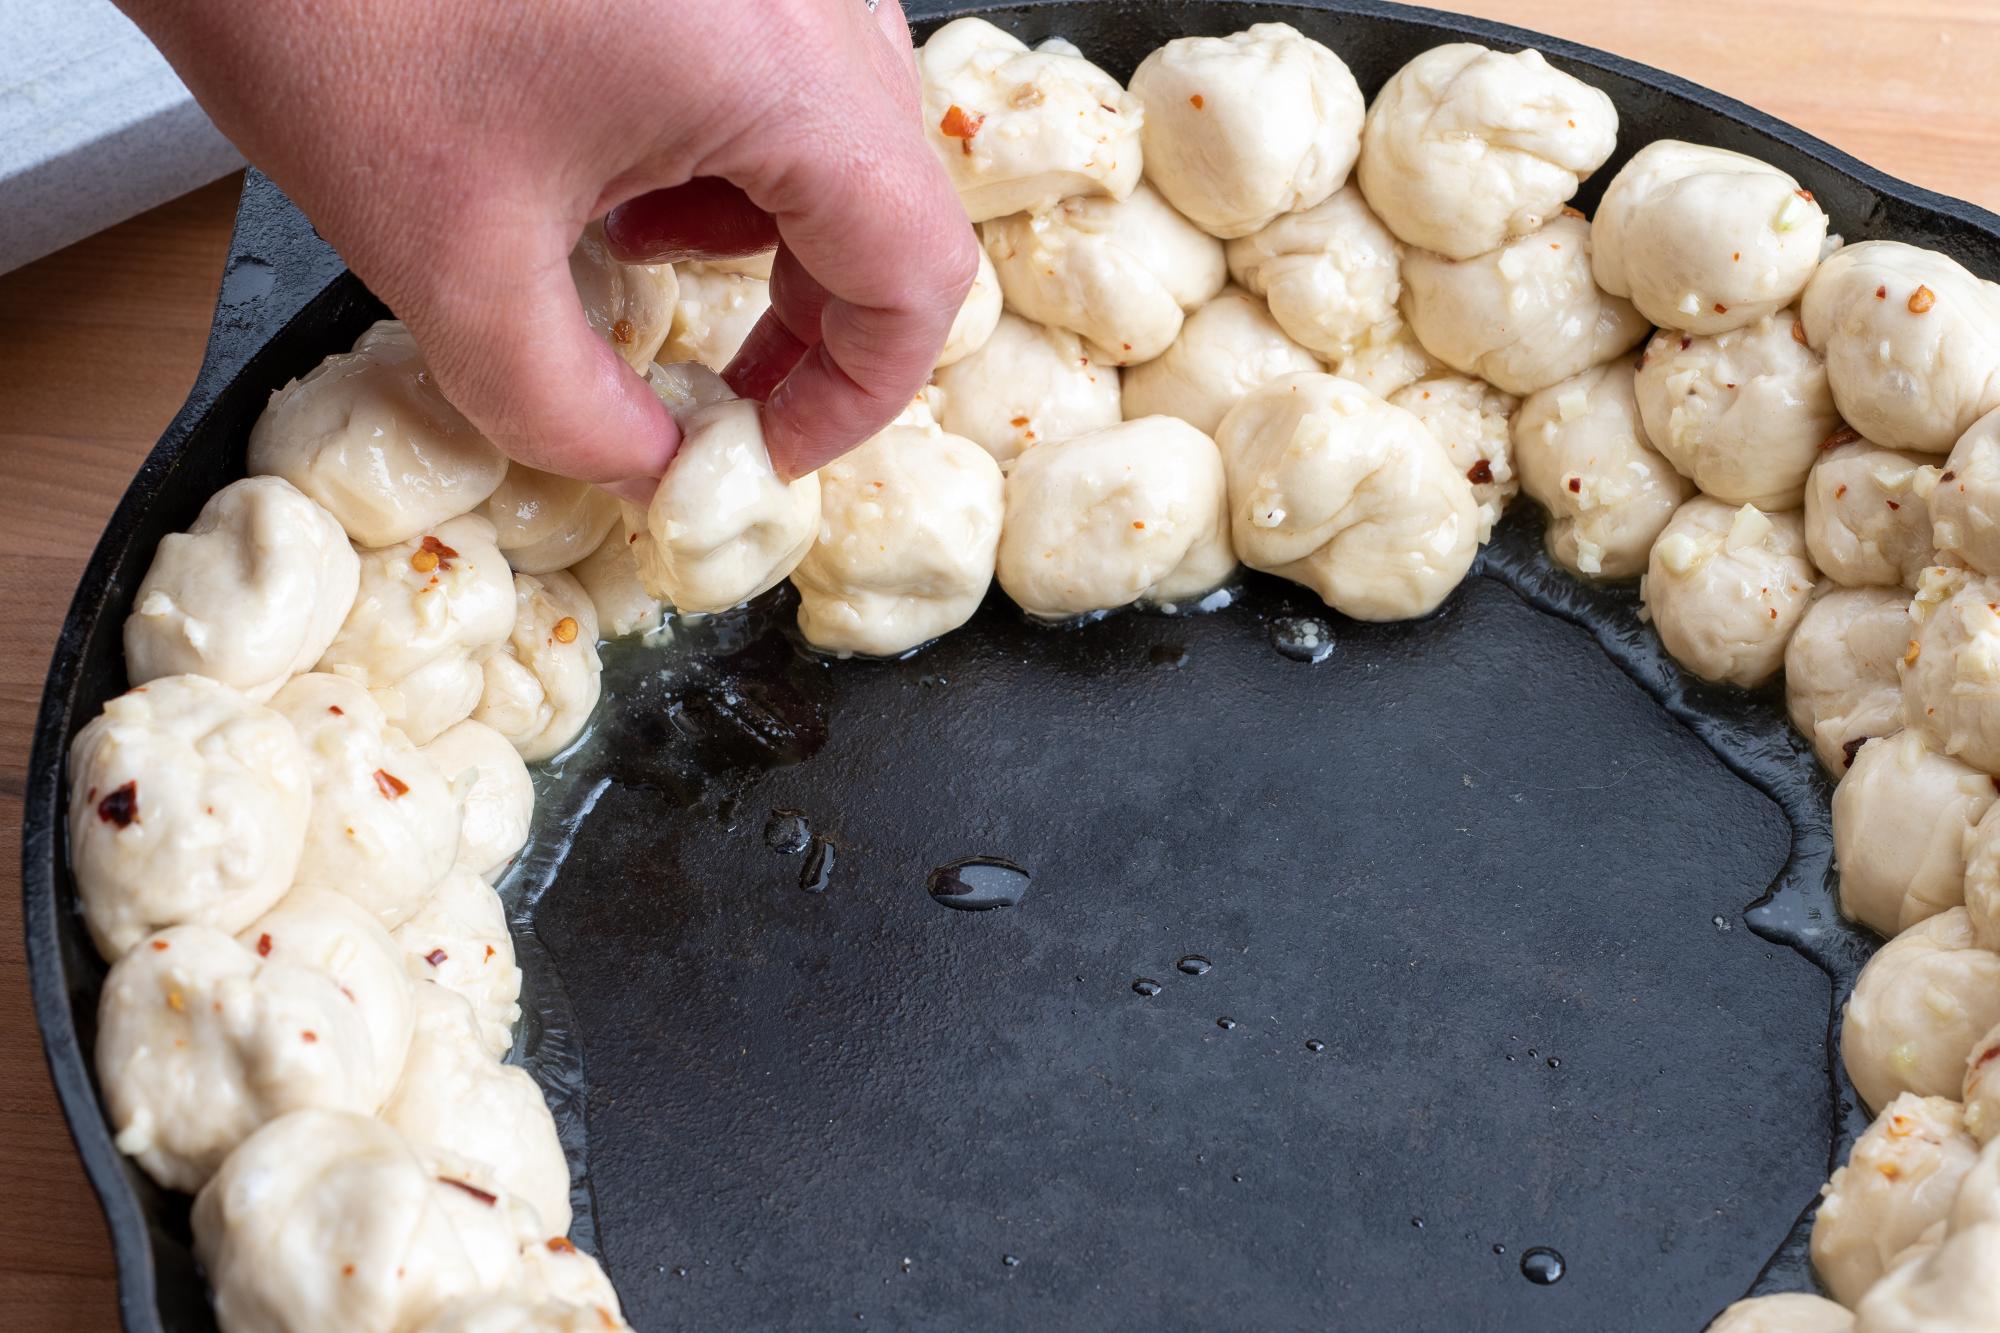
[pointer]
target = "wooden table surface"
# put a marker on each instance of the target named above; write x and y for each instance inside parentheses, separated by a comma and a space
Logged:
(99, 343)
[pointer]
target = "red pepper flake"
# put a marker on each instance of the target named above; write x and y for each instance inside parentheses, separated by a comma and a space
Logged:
(309, 1037)
(1853, 747)
(489, 951)
(390, 785)
(432, 546)
(436, 957)
(565, 630)
(1988, 1055)
(484, 1197)
(1018, 422)
(1799, 332)
(161, 946)
(561, 1245)
(121, 807)
(1840, 491)
(1686, 342)
(1721, 309)
(1882, 293)
(264, 945)
(1845, 435)
(347, 1270)
(1736, 257)
(336, 710)
(1480, 473)
(961, 125)
(1806, 195)
(1949, 476)
(1139, 523)
(1893, 505)
(622, 332)
(1195, 101)
(1922, 299)
(1567, 212)
(632, 538)
(1774, 613)
(1576, 485)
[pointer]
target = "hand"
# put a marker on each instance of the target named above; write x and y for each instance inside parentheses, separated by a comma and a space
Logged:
(452, 152)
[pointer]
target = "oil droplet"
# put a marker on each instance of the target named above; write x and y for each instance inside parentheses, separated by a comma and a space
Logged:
(1194, 965)
(1146, 986)
(1499, 1249)
(1237, 1178)
(787, 832)
(817, 872)
(1417, 1222)
(1225, 1023)
(680, 1272)
(1315, 1045)
(1542, 1266)
(1719, 922)
(1302, 638)
(978, 884)
(1555, 1062)
(1167, 655)
(1011, 1260)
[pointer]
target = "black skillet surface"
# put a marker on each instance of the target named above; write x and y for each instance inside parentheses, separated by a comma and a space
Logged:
(1480, 899)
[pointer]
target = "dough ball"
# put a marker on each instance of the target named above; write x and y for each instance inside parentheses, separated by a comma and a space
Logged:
(1523, 316)
(426, 608)
(543, 683)
(199, 1042)
(325, 1220)
(250, 595)
(610, 575)
(1475, 423)
(1465, 148)
(1899, 1180)
(1582, 454)
(543, 522)
(1951, 671)
(1242, 129)
(557, 1270)
(1911, 341)
(1028, 384)
(725, 526)
(1982, 1090)
(1018, 129)
(1384, 367)
(1952, 1289)
(1331, 487)
(1920, 1005)
(490, 783)
(369, 436)
(1978, 1199)
(1120, 273)
(456, 1097)
(1225, 349)
(459, 940)
(1867, 523)
(1841, 681)
(715, 313)
(384, 826)
(1726, 587)
(1133, 512)
(187, 804)
(1902, 825)
(1332, 274)
(909, 526)
(976, 317)
(1786, 1312)
(1965, 504)
(630, 305)
(1741, 414)
(1703, 239)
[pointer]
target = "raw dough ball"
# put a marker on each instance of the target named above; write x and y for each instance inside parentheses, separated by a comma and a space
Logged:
(1982, 1090)
(715, 313)
(1225, 349)
(1786, 1312)
(1244, 128)
(426, 607)
(326, 1220)
(1331, 487)
(1911, 341)
(1726, 587)
(1841, 681)
(1120, 273)
(1951, 673)
(1028, 384)
(187, 804)
(1466, 147)
(1741, 414)
(1137, 511)
(1332, 274)
(630, 305)
(1953, 1289)
(1581, 452)
(1965, 506)
(543, 522)
(384, 826)
(1475, 423)
(1704, 239)
(1866, 521)
(909, 524)
(490, 782)
(369, 436)
(456, 1097)
(1899, 1180)
(459, 940)
(1920, 1005)
(250, 595)
(1524, 316)
(199, 1042)
(1019, 129)
(1902, 824)
(1384, 367)
(725, 525)
(610, 574)
(542, 684)
(977, 315)
(557, 1270)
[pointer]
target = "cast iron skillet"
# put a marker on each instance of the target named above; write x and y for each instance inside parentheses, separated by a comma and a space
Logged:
(1472, 893)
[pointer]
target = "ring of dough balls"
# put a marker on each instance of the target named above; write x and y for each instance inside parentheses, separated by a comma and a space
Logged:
(725, 525)
(1951, 670)
(384, 827)
(1245, 128)
(543, 683)
(459, 940)
(187, 805)
(1332, 487)
(977, 315)
(1841, 680)
(630, 305)
(496, 797)
(1954, 1288)
(1225, 349)
(1918, 1008)
(1741, 414)
(543, 522)
(715, 313)
(1911, 341)
(909, 531)
(200, 1041)
(1394, 363)
(1867, 523)
(1581, 452)
(1965, 504)
(369, 435)
(1726, 587)
(250, 595)
(610, 575)
(1899, 1181)
(1133, 512)
(1475, 423)
(1521, 317)
(1331, 273)
(1902, 823)
(1467, 147)
(1028, 384)
(1784, 1312)
(1704, 240)
(1120, 273)
(1017, 129)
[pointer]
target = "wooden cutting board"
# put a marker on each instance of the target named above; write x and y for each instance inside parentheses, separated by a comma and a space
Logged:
(98, 344)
